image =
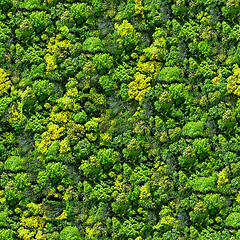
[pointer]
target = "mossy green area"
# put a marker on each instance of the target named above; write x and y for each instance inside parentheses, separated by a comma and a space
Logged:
(119, 119)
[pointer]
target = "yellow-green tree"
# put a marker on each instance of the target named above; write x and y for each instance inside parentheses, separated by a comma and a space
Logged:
(233, 82)
(139, 87)
(5, 83)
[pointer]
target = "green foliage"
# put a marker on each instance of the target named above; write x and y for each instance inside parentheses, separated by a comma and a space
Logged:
(103, 62)
(119, 119)
(21, 180)
(4, 219)
(106, 83)
(177, 93)
(25, 30)
(139, 87)
(32, 4)
(4, 103)
(170, 75)
(201, 147)
(126, 34)
(36, 124)
(232, 220)
(91, 167)
(5, 83)
(199, 213)
(228, 121)
(5, 31)
(39, 20)
(204, 184)
(42, 179)
(6, 4)
(42, 89)
(70, 233)
(204, 48)
(124, 91)
(194, 129)
(133, 149)
(75, 132)
(80, 117)
(11, 193)
(7, 234)
(124, 73)
(164, 102)
(214, 203)
(56, 171)
(188, 158)
(97, 4)
(107, 157)
(14, 163)
(157, 49)
(92, 44)
(92, 125)
(80, 12)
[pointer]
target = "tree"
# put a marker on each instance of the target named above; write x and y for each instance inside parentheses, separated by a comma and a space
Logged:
(82, 150)
(97, 4)
(75, 132)
(204, 48)
(157, 49)
(97, 231)
(199, 214)
(164, 102)
(107, 157)
(14, 163)
(70, 233)
(6, 4)
(201, 147)
(106, 83)
(92, 44)
(5, 83)
(228, 121)
(103, 62)
(233, 220)
(188, 159)
(205, 184)
(42, 89)
(7, 234)
(130, 228)
(91, 167)
(133, 149)
(170, 75)
(4, 103)
(138, 88)
(39, 20)
(214, 203)
(167, 221)
(80, 12)
(42, 179)
(67, 18)
(80, 117)
(22, 180)
(49, 137)
(194, 129)
(127, 34)
(123, 73)
(25, 30)
(233, 81)
(178, 93)
(56, 171)
(36, 124)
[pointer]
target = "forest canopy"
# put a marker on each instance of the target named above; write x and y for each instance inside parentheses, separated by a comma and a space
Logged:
(119, 119)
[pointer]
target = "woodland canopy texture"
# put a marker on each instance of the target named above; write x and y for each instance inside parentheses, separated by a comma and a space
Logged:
(119, 119)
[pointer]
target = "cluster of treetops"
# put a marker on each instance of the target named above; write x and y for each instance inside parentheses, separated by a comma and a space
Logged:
(119, 119)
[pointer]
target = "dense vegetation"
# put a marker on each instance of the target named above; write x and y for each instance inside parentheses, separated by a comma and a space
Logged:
(119, 119)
